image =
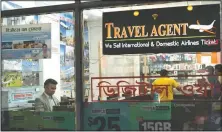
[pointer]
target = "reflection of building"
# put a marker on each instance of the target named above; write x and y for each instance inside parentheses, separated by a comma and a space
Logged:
(8, 5)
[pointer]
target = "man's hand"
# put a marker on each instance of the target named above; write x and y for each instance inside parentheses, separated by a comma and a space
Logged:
(179, 88)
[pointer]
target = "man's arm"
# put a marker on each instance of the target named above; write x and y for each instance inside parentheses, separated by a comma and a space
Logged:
(39, 106)
(56, 101)
(220, 79)
(176, 85)
(153, 87)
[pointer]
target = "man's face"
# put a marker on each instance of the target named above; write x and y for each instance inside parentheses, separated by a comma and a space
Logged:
(50, 89)
(44, 47)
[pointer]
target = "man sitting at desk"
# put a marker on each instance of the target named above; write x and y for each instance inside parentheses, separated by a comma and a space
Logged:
(47, 100)
(165, 85)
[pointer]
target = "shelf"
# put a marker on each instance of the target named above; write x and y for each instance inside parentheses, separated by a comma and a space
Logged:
(174, 70)
(193, 61)
(174, 78)
(180, 70)
(185, 79)
(170, 75)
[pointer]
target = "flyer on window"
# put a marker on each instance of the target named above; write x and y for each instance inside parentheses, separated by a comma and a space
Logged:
(26, 41)
(12, 79)
(86, 56)
(66, 28)
(67, 59)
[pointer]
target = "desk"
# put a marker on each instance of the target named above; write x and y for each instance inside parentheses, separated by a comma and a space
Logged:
(28, 120)
(140, 113)
(124, 116)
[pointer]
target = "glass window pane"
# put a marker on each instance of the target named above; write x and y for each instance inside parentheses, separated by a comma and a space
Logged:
(25, 89)
(122, 84)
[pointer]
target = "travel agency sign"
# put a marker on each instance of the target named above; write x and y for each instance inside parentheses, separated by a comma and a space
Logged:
(163, 30)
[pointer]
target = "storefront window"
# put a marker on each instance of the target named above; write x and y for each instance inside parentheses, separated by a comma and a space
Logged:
(122, 79)
(38, 84)
(149, 67)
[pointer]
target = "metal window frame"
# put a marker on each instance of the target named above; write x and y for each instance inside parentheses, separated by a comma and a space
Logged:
(77, 9)
(69, 7)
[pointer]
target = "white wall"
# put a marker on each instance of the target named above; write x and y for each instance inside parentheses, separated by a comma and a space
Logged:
(95, 35)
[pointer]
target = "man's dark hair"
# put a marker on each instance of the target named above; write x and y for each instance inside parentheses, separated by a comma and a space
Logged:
(210, 69)
(44, 45)
(50, 81)
(163, 73)
(218, 67)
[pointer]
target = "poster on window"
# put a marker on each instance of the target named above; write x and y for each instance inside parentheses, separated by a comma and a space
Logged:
(67, 58)
(19, 73)
(150, 116)
(29, 65)
(67, 78)
(21, 96)
(12, 79)
(131, 116)
(111, 116)
(12, 65)
(66, 28)
(26, 41)
(86, 56)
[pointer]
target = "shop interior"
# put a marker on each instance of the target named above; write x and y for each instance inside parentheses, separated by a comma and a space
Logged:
(178, 64)
(28, 75)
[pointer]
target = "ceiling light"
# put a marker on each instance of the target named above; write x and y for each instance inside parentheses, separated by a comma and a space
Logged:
(189, 7)
(136, 13)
